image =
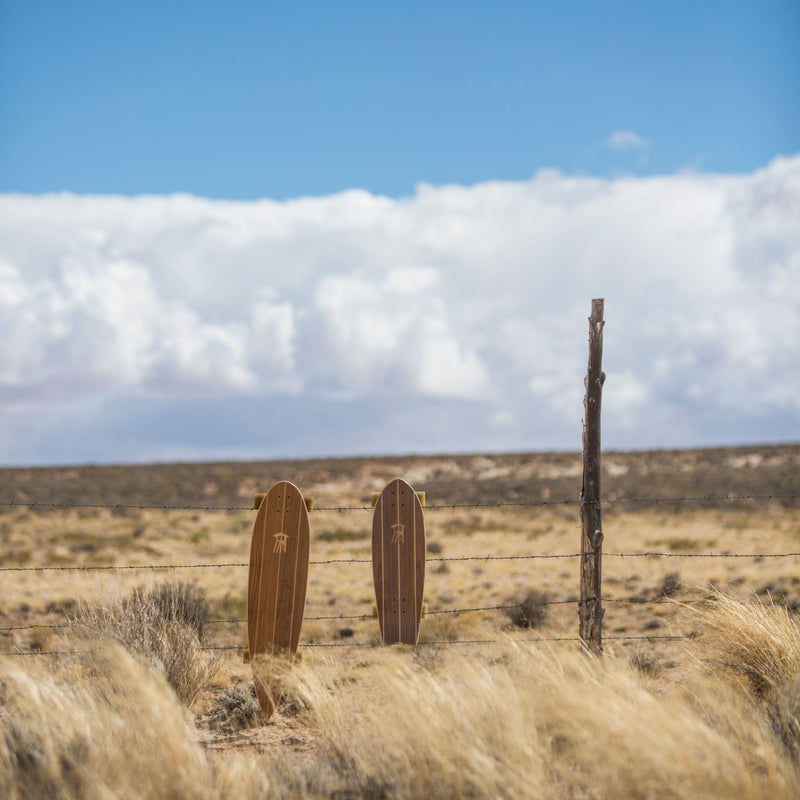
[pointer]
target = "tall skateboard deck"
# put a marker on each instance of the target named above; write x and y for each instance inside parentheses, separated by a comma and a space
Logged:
(398, 562)
(276, 589)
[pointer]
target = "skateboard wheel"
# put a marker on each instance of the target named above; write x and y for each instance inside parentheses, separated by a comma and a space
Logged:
(421, 496)
(309, 503)
(424, 611)
(258, 499)
(375, 496)
(246, 657)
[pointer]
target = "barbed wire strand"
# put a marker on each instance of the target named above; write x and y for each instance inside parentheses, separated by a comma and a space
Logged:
(517, 557)
(434, 612)
(432, 643)
(652, 554)
(237, 620)
(34, 504)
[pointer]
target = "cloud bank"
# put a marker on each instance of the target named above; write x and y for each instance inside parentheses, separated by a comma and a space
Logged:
(152, 328)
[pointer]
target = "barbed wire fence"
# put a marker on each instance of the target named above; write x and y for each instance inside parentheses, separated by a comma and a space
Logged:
(431, 559)
(588, 603)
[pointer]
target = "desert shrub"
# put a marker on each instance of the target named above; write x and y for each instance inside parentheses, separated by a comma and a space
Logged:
(529, 611)
(236, 708)
(232, 605)
(682, 543)
(174, 601)
(160, 624)
(671, 585)
(645, 663)
(340, 535)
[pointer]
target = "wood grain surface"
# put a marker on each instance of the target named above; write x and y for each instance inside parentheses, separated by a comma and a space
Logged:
(276, 591)
(398, 562)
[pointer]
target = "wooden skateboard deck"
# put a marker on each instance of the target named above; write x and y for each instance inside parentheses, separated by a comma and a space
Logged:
(398, 562)
(276, 589)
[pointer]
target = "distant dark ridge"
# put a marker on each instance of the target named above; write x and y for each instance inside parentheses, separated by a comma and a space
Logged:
(555, 477)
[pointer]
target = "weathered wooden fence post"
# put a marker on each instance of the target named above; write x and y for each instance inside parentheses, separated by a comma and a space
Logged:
(591, 608)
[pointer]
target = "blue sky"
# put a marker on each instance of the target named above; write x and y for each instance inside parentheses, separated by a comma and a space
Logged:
(259, 99)
(246, 230)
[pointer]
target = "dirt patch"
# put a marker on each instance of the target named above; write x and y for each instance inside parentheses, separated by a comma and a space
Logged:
(280, 733)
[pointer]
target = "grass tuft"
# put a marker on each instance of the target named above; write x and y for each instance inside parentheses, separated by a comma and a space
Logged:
(671, 585)
(116, 732)
(758, 645)
(162, 625)
(341, 535)
(174, 601)
(236, 708)
(530, 611)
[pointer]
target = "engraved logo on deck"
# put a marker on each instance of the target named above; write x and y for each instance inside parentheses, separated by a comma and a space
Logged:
(398, 533)
(280, 542)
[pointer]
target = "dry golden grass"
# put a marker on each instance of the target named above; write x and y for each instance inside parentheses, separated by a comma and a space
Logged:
(758, 646)
(538, 724)
(714, 716)
(519, 722)
(98, 727)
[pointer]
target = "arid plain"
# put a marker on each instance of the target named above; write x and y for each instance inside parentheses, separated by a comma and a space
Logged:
(682, 528)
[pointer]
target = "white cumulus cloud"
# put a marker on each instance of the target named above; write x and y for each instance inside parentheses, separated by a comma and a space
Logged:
(452, 319)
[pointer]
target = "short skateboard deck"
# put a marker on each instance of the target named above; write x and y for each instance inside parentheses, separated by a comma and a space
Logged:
(398, 562)
(276, 589)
